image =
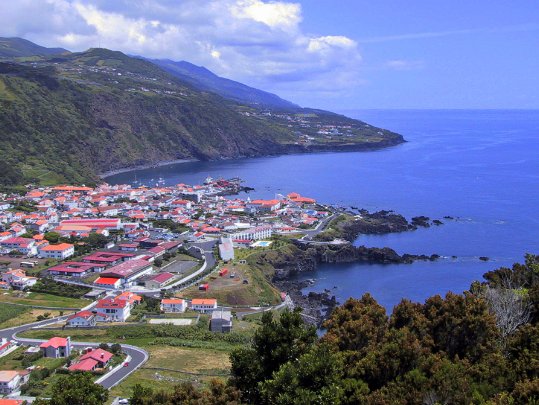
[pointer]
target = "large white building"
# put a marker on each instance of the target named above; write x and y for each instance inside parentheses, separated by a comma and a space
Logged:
(255, 233)
(61, 251)
(203, 304)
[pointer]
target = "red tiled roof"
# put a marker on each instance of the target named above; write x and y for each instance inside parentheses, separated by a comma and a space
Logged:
(162, 277)
(55, 342)
(106, 280)
(84, 365)
(97, 354)
(111, 303)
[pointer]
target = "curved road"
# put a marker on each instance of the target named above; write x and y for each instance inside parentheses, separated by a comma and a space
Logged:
(137, 355)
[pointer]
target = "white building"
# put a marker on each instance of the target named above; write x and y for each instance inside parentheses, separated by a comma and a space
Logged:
(226, 249)
(26, 246)
(256, 233)
(113, 309)
(18, 279)
(84, 319)
(11, 380)
(203, 304)
(173, 305)
(56, 347)
(61, 251)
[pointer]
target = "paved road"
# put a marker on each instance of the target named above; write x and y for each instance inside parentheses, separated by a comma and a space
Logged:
(138, 356)
(322, 225)
(206, 248)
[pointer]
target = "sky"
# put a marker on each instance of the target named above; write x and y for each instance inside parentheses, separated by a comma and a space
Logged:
(332, 54)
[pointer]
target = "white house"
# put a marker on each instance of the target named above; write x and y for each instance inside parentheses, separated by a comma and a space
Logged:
(18, 279)
(84, 319)
(203, 304)
(115, 310)
(173, 305)
(11, 380)
(56, 347)
(61, 251)
(26, 246)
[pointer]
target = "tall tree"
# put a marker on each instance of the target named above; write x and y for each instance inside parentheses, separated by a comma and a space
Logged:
(77, 389)
(275, 343)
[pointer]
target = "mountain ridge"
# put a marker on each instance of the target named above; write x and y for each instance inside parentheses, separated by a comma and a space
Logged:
(68, 117)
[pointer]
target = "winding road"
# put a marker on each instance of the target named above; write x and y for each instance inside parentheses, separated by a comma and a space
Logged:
(137, 356)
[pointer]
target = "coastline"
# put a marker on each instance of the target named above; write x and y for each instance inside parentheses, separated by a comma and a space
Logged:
(291, 151)
(146, 166)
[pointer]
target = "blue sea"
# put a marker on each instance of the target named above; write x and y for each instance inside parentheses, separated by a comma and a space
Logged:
(480, 167)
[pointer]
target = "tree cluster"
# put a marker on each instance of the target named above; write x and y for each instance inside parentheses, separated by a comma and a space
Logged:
(461, 349)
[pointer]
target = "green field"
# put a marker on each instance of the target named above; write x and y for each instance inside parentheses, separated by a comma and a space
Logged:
(189, 365)
(16, 315)
(42, 299)
(8, 312)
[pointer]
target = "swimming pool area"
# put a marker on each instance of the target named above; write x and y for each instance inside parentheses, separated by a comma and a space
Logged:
(261, 243)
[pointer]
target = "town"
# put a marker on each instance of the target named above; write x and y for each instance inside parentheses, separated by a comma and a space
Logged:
(163, 255)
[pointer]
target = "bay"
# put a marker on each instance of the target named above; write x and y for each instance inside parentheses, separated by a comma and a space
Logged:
(480, 167)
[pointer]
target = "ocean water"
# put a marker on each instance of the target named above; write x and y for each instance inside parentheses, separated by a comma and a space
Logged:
(480, 167)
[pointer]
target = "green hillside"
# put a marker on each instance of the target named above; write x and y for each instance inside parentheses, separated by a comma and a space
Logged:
(19, 47)
(67, 118)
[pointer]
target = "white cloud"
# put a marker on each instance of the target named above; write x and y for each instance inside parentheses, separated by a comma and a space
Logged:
(258, 42)
(273, 14)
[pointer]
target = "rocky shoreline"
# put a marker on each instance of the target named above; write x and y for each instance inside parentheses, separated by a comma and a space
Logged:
(306, 256)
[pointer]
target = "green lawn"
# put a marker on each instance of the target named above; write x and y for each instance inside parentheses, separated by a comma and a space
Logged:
(184, 360)
(12, 360)
(28, 315)
(42, 299)
(8, 312)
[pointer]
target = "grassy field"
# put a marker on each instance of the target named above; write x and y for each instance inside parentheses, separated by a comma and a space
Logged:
(9, 312)
(234, 292)
(41, 299)
(23, 315)
(11, 361)
(183, 361)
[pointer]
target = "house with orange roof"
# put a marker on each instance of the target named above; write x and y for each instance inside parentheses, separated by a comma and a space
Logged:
(60, 251)
(11, 381)
(56, 347)
(130, 297)
(108, 282)
(171, 305)
(18, 279)
(263, 205)
(298, 199)
(203, 304)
